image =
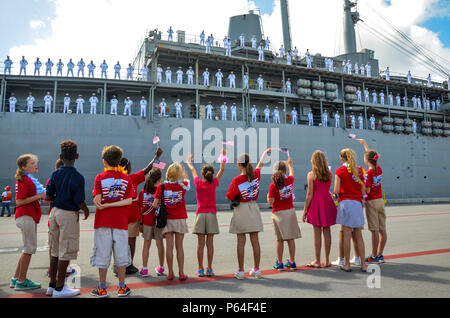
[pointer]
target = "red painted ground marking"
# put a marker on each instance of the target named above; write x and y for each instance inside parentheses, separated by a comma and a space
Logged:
(112, 289)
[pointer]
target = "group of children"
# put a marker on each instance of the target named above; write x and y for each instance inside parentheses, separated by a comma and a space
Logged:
(122, 213)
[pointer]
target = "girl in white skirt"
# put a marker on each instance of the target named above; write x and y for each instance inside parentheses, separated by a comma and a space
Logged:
(349, 188)
(246, 219)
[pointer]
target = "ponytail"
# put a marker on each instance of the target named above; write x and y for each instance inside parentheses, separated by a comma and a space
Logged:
(244, 161)
(22, 161)
(152, 179)
(279, 179)
(372, 157)
(208, 173)
(349, 156)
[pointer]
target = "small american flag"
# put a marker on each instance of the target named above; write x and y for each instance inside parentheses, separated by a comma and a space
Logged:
(156, 140)
(159, 164)
(352, 136)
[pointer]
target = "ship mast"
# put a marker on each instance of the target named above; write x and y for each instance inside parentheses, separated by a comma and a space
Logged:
(286, 25)
(350, 20)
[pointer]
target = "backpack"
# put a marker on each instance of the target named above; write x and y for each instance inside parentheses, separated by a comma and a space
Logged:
(161, 216)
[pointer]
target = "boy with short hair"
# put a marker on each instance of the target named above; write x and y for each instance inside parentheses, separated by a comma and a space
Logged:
(66, 192)
(112, 196)
(6, 200)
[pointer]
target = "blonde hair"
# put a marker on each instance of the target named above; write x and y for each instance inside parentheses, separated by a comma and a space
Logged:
(22, 161)
(320, 166)
(174, 172)
(349, 156)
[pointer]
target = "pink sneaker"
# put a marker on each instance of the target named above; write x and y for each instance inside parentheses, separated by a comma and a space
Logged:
(144, 272)
(159, 270)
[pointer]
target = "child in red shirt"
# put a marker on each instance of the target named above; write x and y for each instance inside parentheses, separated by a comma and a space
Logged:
(205, 223)
(112, 195)
(173, 196)
(148, 221)
(27, 216)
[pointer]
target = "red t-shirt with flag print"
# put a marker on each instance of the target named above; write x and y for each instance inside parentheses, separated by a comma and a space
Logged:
(350, 189)
(113, 186)
(26, 189)
(283, 197)
(246, 190)
(148, 212)
(374, 184)
(134, 212)
(174, 193)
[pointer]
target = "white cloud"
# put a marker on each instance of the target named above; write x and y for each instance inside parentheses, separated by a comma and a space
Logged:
(36, 24)
(113, 29)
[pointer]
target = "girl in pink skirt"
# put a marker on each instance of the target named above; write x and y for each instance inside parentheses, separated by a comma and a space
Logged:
(320, 210)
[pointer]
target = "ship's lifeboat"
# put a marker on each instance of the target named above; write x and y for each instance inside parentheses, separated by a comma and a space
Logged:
(399, 129)
(330, 87)
(388, 128)
(318, 93)
(437, 124)
(399, 121)
(408, 130)
(304, 83)
(427, 131)
(408, 122)
(387, 120)
(426, 124)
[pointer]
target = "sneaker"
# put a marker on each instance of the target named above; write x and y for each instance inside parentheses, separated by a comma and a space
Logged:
(159, 270)
(380, 259)
(26, 285)
(201, 273)
(290, 265)
(13, 282)
(144, 272)
(239, 275)
(66, 292)
(131, 270)
(123, 291)
(100, 293)
(339, 262)
(278, 266)
(255, 273)
(49, 291)
(356, 261)
(209, 272)
(371, 259)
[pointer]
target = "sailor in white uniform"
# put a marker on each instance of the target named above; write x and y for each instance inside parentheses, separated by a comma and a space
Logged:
(219, 77)
(180, 74)
(254, 42)
(178, 107)
(331, 64)
(66, 103)
(399, 100)
(114, 102)
(289, 58)
(233, 109)
(37, 67)
(409, 77)
(428, 103)
(356, 68)
(310, 119)
(208, 45)
(282, 51)
(104, 68)
(433, 105)
(267, 44)
(23, 66)
(202, 38)
(414, 126)
(438, 104)
(93, 101)
(168, 75)
(260, 81)
(448, 83)
(276, 115)
(242, 39)
(12, 103)
(117, 69)
(353, 121)
(369, 70)
(294, 116)
(382, 97)
(209, 109)
(232, 80)
(429, 80)
(245, 80)
(162, 107)
(190, 75)
(254, 111)
(91, 67)
(372, 122)
(30, 103)
(159, 72)
(261, 53)
(325, 118)
(361, 121)
(127, 109)
(419, 103)
(224, 109)
(170, 31)
(206, 77)
(144, 72)
(48, 99)
(366, 96)
(80, 104)
(388, 74)
(405, 101)
(391, 99)
(349, 67)
(344, 66)
(414, 100)
(363, 69)
(130, 71)
(267, 114)
(337, 120)
(228, 48)
(288, 86)
(374, 97)
(211, 38)
(59, 68)
(143, 104)
(70, 67)
(8, 63)
(81, 66)
(296, 53)
(48, 67)
(359, 94)
(308, 59)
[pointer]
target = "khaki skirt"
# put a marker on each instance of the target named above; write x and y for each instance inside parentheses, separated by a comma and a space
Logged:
(246, 219)
(285, 225)
(177, 226)
(205, 223)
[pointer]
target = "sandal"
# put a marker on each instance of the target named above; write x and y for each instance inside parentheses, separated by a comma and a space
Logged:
(310, 265)
(327, 265)
(346, 270)
(170, 277)
(183, 277)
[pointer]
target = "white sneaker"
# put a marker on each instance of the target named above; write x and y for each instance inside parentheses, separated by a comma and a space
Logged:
(50, 291)
(239, 275)
(65, 292)
(339, 262)
(356, 261)
(256, 274)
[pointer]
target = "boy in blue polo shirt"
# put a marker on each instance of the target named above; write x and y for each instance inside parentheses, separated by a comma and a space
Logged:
(66, 191)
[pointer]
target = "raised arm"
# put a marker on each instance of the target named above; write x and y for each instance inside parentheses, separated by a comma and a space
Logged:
(157, 155)
(189, 160)
(291, 167)
(364, 143)
(222, 165)
(263, 158)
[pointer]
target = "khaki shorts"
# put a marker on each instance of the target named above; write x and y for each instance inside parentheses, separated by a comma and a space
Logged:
(152, 233)
(375, 214)
(246, 219)
(176, 226)
(134, 229)
(64, 234)
(29, 233)
(107, 241)
(285, 225)
(206, 223)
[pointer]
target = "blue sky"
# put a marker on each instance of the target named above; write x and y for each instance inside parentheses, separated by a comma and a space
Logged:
(441, 26)
(266, 6)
